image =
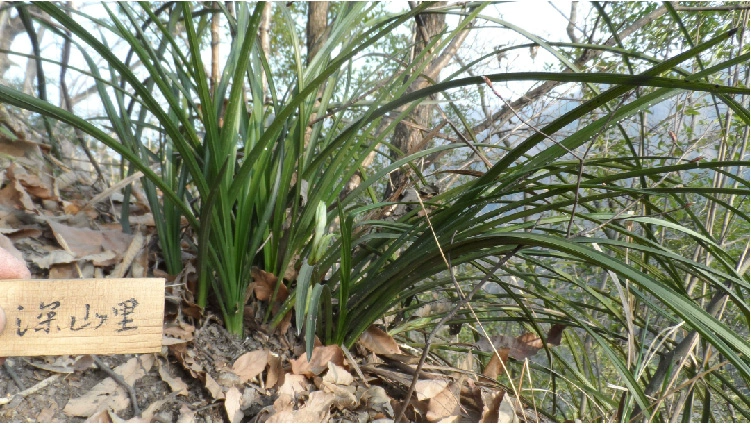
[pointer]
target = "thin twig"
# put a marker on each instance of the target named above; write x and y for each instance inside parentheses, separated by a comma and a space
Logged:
(474, 148)
(14, 376)
(525, 121)
(121, 381)
(31, 390)
(352, 362)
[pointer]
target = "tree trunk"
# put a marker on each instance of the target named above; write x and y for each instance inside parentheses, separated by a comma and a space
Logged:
(316, 34)
(316, 29)
(407, 135)
(214, 48)
(265, 39)
(9, 29)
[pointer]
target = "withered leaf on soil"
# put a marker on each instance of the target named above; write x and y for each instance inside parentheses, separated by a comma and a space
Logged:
(427, 389)
(495, 365)
(344, 397)
(108, 394)
(378, 341)
(38, 186)
(319, 360)
(175, 383)
(524, 346)
(275, 374)
(20, 149)
(338, 375)
(315, 410)
(250, 364)
(445, 404)
(375, 398)
(146, 416)
(264, 284)
(186, 357)
(232, 405)
(293, 385)
(102, 416)
(46, 414)
(186, 415)
(62, 271)
(214, 388)
(180, 331)
(491, 402)
(84, 242)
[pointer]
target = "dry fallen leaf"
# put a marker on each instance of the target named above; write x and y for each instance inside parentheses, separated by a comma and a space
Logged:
(344, 396)
(319, 360)
(20, 148)
(427, 389)
(63, 271)
(147, 415)
(46, 414)
(264, 285)
(555, 334)
(180, 330)
(186, 415)
(319, 401)
(495, 365)
(378, 341)
(186, 357)
(275, 373)
(103, 247)
(83, 363)
(316, 410)
(445, 404)
(506, 411)
(108, 394)
(232, 405)
(491, 402)
(102, 416)
(214, 388)
(39, 186)
(52, 258)
(293, 385)
(526, 345)
(250, 364)
(376, 399)
(284, 402)
(337, 375)
(175, 383)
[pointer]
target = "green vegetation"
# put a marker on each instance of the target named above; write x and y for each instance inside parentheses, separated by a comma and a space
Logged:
(597, 215)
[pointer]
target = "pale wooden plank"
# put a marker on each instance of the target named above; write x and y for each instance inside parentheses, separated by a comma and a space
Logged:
(97, 316)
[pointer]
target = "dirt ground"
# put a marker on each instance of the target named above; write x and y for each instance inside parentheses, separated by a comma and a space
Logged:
(54, 385)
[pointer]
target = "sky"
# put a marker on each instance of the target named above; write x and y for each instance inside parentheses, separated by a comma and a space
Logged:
(538, 17)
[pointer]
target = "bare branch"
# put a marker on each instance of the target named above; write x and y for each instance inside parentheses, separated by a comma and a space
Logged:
(507, 111)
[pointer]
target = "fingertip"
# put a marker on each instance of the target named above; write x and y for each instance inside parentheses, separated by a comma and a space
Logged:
(11, 267)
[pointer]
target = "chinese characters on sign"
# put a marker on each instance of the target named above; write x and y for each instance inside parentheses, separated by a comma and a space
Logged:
(89, 315)
(46, 318)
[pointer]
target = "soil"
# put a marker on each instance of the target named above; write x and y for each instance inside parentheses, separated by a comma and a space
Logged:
(48, 403)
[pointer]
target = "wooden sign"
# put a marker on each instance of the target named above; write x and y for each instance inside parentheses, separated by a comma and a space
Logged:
(98, 316)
